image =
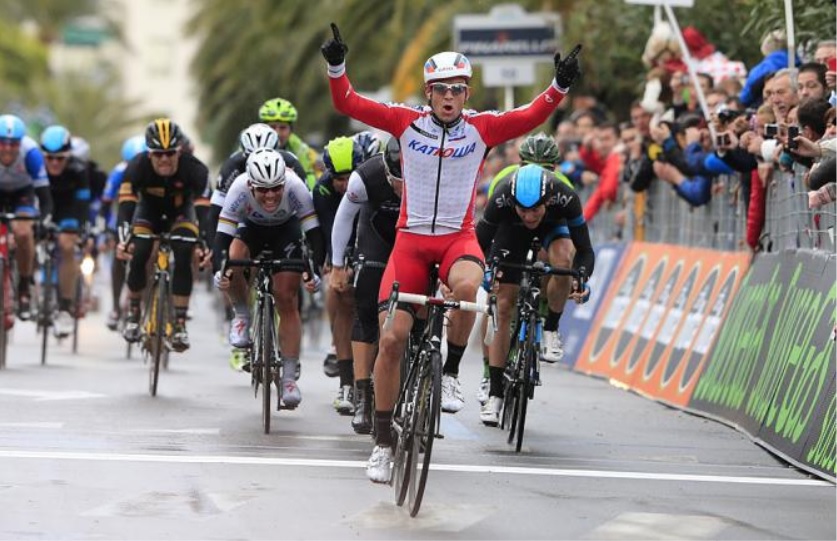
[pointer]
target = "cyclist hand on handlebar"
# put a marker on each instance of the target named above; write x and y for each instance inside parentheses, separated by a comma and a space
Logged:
(339, 278)
(222, 280)
(312, 282)
(580, 293)
(124, 251)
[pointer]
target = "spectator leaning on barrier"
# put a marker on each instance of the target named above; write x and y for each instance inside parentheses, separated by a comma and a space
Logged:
(671, 167)
(783, 95)
(826, 54)
(640, 170)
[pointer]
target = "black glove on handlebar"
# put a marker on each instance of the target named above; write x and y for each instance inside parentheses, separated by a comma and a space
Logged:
(335, 49)
(567, 70)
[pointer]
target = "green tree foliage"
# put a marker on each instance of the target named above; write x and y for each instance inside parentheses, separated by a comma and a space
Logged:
(249, 55)
(813, 19)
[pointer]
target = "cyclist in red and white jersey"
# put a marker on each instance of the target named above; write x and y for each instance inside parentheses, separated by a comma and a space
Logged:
(442, 151)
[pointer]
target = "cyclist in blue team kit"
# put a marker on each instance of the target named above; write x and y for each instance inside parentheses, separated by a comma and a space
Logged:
(70, 187)
(532, 203)
(22, 178)
(130, 148)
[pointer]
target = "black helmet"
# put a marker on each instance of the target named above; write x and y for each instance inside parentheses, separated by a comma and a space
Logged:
(163, 134)
(392, 157)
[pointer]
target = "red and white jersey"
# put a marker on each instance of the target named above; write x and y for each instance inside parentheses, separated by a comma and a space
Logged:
(440, 164)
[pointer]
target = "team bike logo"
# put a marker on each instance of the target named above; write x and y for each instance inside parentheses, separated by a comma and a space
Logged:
(449, 152)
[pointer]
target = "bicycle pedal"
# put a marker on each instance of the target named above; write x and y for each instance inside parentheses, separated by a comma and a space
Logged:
(439, 436)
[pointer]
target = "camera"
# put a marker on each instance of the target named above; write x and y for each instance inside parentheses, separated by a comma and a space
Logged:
(793, 133)
(722, 140)
(771, 131)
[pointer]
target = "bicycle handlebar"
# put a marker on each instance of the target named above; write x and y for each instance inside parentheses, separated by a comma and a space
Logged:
(423, 300)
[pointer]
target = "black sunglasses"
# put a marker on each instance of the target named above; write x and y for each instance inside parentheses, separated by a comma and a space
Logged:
(457, 89)
(167, 153)
(273, 189)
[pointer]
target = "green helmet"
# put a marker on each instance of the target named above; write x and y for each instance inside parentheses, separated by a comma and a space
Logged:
(278, 110)
(539, 148)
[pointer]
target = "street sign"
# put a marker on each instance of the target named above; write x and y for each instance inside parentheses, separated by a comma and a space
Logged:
(507, 42)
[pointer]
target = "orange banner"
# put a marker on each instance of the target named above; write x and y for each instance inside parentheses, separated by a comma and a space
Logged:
(661, 317)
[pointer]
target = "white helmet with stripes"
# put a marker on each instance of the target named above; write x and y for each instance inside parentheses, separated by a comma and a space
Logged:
(257, 135)
(265, 168)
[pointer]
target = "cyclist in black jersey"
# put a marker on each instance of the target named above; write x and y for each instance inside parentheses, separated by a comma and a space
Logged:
(163, 190)
(341, 156)
(374, 198)
(70, 188)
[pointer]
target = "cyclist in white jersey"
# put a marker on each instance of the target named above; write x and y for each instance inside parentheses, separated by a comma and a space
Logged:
(269, 207)
(442, 149)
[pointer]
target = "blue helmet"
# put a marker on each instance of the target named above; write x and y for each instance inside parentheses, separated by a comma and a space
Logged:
(56, 139)
(133, 146)
(12, 127)
(529, 186)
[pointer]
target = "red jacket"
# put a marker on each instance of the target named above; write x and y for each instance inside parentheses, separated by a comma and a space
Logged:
(607, 188)
(755, 211)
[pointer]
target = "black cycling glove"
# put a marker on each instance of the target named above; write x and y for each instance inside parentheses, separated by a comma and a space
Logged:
(335, 49)
(567, 70)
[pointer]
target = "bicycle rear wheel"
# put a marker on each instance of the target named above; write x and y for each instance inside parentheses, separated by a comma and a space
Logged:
(158, 315)
(428, 410)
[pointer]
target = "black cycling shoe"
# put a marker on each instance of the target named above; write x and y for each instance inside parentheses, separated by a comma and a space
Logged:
(330, 368)
(24, 307)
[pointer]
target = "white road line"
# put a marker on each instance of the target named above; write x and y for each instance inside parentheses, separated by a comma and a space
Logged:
(318, 463)
(32, 425)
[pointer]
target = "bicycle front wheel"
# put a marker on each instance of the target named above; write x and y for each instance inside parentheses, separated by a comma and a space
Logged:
(428, 411)
(45, 312)
(526, 391)
(404, 424)
(5, 289)
(78, 302)
(158, 332)
(266, 359)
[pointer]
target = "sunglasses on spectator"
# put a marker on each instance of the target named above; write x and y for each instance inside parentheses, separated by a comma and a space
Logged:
(5, 141)
(56, 157)
(273, 189)
(457, 89)
(167, 153)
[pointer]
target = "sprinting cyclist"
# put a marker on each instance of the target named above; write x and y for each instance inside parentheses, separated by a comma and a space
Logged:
(162, 189)
(22, 178)
(373, 197)
(130, 148)
(540, 149)
(341, 156)
(269, 207)
(70, 188)
(532, 203)
(442, 149)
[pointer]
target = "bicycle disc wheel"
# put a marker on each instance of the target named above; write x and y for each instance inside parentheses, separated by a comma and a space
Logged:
(266, 362)
(158, 315)
(429, 406)
(4, 290)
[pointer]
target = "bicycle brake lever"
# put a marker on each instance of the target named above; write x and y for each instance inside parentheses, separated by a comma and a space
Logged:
(393, 301)
(491, 327)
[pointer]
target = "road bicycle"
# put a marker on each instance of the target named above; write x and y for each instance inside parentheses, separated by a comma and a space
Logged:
(417, 411)
(157, 321)
(263, 354)
(8, 273)
(46, 297)
(522, 373)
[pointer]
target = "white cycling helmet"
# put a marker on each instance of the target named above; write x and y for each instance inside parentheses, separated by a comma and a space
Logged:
(445, 65)
(258, 135)
(265, 168)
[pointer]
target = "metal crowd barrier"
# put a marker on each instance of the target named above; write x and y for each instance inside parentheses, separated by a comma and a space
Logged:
(660, 215)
